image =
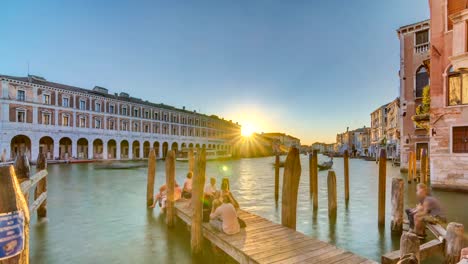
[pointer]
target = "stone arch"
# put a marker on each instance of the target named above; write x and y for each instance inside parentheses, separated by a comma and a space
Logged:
(156, 148)
(20, 144)
(190, 145)
(175, 147)
(197, 146)
(146, 149)
(136, 149)
(111, 149)
(124, 149)
(82, 151)
(46, 146)
(183, 146)
(203, 146)
(65, 148)
(98, 148)
(165, 148)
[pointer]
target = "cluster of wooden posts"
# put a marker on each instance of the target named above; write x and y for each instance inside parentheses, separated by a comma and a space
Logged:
(15, 186)
(197, 165)
(449, 242)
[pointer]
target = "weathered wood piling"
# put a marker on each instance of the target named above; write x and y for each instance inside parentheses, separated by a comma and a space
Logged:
(410, 167)
(311, 174)
(409, 246)
(382, 184)
(423, 164)
(14, 202)
(346, 174)
(454, 242)
(291, 177)
(151, 178)
(277, 168)
(397, 205)
(315, 178)
(331, 184)
(196, 239)
(170, 183)
(41, 164)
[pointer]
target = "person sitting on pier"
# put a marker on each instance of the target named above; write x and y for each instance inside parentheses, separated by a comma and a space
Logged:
(210, 188)
(226, 190)
(161, 197)
(428, 210)
(224, 217)
(187, 189)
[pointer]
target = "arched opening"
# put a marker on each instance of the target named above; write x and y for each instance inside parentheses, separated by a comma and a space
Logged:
(156, 148)
(136, 149)
(174, 147)
(422, 80)
(146, 149)
(82, 145)
(203, 146)
(98, 148)
(111, 149)
(124, 149)
(183, 145)
(65, 148)
(165, 147)
(190, 145)
(46, 146)
(20, 144)
(209, 146)
(197, 146)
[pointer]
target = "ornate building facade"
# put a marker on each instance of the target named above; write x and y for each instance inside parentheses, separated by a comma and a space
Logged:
(66, 122)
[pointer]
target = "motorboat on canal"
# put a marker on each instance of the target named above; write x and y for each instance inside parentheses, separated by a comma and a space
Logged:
(211, 154)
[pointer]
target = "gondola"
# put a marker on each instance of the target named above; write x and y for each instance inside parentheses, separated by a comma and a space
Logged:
(325, 165)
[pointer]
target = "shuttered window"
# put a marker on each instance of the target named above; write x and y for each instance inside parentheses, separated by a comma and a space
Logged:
(460, 139)
(422, 37)
(422, 80)
(454, 6)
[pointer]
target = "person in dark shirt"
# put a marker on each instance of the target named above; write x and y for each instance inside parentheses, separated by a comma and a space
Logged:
(429, 210)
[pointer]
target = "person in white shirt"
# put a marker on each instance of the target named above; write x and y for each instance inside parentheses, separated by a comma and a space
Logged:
(210, 189)
(187, 188)
(224, 218)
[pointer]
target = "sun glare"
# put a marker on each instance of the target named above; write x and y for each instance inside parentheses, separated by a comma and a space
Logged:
(247, 130)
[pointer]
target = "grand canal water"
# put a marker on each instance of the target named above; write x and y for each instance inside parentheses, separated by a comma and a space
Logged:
(99, 216)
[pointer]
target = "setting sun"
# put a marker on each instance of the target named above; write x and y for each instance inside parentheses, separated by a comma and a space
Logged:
(247, 130)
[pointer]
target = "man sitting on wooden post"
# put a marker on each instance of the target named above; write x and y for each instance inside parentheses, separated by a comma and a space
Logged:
(224, 218)
(427, 211)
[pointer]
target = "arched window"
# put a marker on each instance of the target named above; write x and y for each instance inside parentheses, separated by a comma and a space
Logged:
(457, 87)
(422, 80)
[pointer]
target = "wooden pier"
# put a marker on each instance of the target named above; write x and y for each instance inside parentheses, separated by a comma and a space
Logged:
(263, 241)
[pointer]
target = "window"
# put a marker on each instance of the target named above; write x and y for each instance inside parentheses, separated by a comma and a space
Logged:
(21, 95)
(454, 6)
(82, 121)
(21, 116)
(97, 123)
(457, 88)
(65, 102)
(124, 111)
(460, 139)
(46, 119)
(97, 107)
(82, 105)
(146, 114)
(422, 37)
(422, 80)
(111, 109)
(46, 98)
(419, 147)
(146, 129)
(135, 127)
(156, 116)
(125, 126)
(135, 112)
(65, 120)
(111, 125)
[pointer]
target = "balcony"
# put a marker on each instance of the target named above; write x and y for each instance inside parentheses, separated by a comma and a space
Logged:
(459, 57)
(422, 48)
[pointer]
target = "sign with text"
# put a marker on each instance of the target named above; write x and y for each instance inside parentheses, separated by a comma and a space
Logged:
(11, 234)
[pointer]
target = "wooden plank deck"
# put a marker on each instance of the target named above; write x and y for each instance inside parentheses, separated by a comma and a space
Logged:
(263, 241)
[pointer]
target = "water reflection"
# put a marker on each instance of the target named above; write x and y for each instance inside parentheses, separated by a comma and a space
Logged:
(100, 216)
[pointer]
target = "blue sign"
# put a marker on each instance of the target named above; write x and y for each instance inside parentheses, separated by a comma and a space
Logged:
(11, 234)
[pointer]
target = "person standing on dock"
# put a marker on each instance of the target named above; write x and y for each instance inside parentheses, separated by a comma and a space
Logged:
(187, 188)
(224, 218)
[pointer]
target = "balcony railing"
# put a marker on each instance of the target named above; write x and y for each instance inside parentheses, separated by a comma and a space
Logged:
(421, 48)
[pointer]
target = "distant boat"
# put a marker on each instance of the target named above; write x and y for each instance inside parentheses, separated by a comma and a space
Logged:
(120, 166)
(211, 154)
(325, 165)
(281, 164)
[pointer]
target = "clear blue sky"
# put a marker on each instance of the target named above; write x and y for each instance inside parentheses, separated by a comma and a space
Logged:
(308, 68)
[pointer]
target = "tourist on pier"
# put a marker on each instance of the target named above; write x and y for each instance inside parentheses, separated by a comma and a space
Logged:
(187, 189)
(226, 190)
(161, 197)
(224, 218)
(428, 210)
(210, 188)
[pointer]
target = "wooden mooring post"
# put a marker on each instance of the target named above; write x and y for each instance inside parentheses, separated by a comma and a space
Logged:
(423, 164)
(311, 174)
(277, 169)
(382, 186)
(331, 184)
(291, 177)
(409, 248)
(315, 178)
(13, 202)
(196, 239)
(170, 183)
(410, 167)
(151, 177)
(453, 242)
(41, 164)
(397, 205)
(346, 174)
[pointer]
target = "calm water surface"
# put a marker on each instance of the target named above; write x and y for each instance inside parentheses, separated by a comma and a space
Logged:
(100, 216)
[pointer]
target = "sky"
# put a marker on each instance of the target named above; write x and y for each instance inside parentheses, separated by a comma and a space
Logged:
(307, 68)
